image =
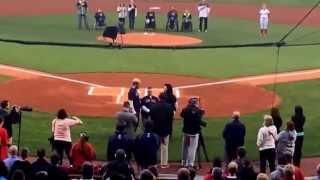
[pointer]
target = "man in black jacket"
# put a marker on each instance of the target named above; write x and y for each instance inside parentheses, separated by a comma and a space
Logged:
(119, 168)
(192, 122)
(119, 140)
(233, 135)
(162, 116)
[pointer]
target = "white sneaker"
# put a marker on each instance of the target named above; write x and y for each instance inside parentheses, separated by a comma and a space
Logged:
(199, 30)
(205, 30)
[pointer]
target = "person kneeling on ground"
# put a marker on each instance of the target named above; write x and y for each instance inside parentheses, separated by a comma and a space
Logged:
(100, 19)
(82, 151)
(119, 167)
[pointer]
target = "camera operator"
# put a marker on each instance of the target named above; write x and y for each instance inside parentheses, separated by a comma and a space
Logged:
(11, 115)
(192, 122)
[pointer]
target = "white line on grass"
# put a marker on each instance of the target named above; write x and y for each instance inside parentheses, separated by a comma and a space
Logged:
(37, 73)
(248, 79)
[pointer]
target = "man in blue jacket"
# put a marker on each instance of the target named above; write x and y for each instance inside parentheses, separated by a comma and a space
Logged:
(233, 134)
(146, 147)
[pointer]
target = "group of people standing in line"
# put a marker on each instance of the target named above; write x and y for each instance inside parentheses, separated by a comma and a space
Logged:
(272, 142)
(130, 12)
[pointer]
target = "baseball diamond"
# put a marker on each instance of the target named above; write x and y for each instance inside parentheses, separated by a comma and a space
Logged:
(142, 89)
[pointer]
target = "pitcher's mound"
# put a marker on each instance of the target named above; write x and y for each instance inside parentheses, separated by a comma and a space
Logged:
(153, 39)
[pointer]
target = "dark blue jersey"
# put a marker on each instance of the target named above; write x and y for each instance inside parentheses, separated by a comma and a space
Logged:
(133, 95)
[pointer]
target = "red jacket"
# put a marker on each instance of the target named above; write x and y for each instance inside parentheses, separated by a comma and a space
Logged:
(82, 152)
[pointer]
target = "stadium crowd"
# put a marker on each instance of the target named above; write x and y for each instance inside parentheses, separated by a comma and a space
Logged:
(135, 154)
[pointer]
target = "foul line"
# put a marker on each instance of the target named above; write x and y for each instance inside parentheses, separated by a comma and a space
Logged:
(120, 95)
(37, 73)
(90, 92)
(248, 79)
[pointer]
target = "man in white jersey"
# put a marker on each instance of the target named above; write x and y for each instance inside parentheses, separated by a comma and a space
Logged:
(204, 11)
(264, 20)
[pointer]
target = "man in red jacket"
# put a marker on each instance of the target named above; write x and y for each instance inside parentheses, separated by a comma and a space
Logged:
(82, 151)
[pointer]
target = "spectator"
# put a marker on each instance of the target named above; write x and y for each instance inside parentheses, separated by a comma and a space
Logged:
(41, 175)
(279, 172)
(40, 165)
(56, 171)
(289, 172)
(247, 172)
(162, 117)
(3, 171)
(18, 174)
(128, 119)
(299, 119)
(192, 122)
(3, 141)
(183, 174)
(13, 157)
(100, 19)
(82, 151)
(154, 171)
(262, 176)
(147, 175)
(193, 173)
(286, 140)
(284, 161)
(241, 157)
(266, 139)
(216, 170)
(10, 116)
(147, 104)
(23, 165)
(119, 140)
(146, 147)
(87, 171)
(318, 172)
(119, 167)
(232, 171)
(61, 133)
(169, 97)
(233, 134)
(277, 120)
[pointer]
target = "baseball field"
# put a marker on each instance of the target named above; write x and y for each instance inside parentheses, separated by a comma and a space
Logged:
(92, 82)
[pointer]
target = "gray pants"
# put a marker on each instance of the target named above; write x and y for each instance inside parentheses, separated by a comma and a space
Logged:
(189, 149)
(83, 17)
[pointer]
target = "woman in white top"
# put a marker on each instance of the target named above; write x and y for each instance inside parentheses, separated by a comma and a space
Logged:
(264, 20)
(61, 133)
(266, 142)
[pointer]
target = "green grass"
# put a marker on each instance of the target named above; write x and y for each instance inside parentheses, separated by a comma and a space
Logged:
(212, 63)
(222, 31)
(36, 126)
